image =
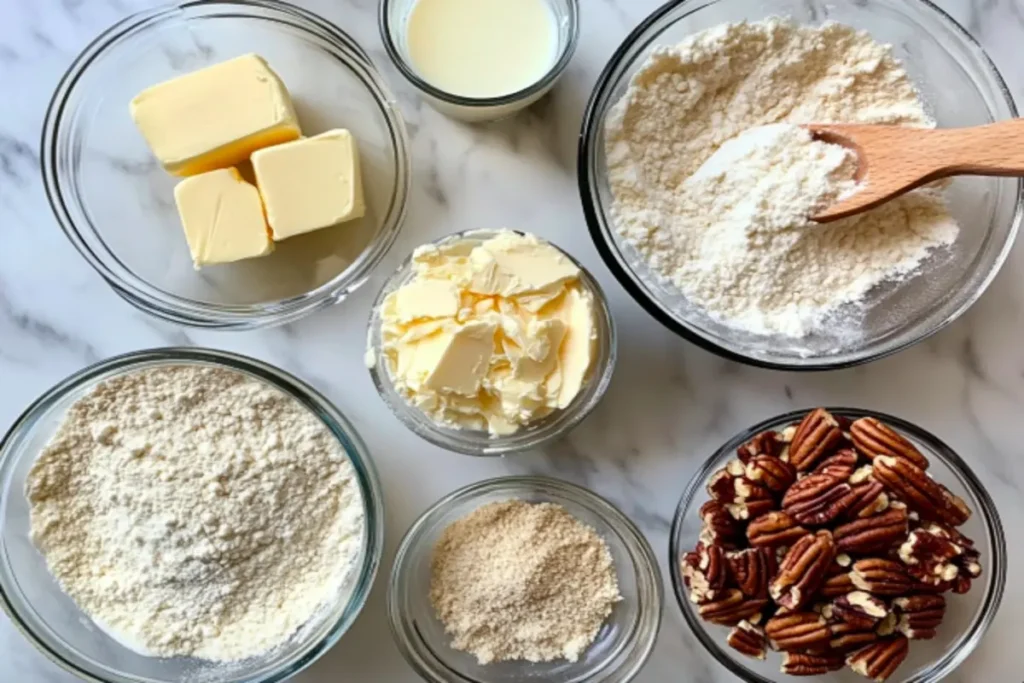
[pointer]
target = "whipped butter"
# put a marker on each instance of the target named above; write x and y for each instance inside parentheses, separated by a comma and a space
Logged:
(489, 335)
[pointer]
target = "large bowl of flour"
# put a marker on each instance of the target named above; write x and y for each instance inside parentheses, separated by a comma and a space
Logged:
(697, 181)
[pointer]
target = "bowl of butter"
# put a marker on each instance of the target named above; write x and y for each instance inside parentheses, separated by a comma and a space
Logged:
(488, 342)
(227, 164)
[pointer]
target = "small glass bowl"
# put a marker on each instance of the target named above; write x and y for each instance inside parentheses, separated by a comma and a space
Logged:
(393, 16)
(480, 443)
(116, 204)
(52, 622)
(960, 86)
(621, 647)
(967, 616)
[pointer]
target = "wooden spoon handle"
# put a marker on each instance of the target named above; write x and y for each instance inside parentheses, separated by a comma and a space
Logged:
(996, 149)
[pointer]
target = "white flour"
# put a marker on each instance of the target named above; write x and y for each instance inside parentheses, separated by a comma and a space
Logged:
(731, 229)
(196, 511)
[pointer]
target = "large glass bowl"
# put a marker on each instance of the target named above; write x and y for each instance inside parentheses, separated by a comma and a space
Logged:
(967, 616)
(960, 86)
(116, 204)
(52, 622)
(622, 645)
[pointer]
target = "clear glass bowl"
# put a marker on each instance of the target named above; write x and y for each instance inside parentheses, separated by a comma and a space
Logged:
(116, 204)
(960, 86)
(621, 647)
(51, 621)
(967, 616)
(480, 443)
(393, 16)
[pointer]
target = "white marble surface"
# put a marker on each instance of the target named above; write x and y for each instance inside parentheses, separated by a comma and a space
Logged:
(669, 404)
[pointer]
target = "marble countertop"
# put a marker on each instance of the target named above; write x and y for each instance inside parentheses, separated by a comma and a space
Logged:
(668, 406)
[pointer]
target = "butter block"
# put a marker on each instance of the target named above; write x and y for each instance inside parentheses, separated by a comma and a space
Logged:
(310, 184)
(215, 117)
(223, 217)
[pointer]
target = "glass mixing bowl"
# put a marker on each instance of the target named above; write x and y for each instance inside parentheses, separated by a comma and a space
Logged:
(960, 86)
(53, 623)
(623, 643)
(116, 204)
(967, 616)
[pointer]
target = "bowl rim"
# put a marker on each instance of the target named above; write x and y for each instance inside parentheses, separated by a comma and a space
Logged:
(538, 86)
(461, 441)
(295, 388)
(410, 642)
(589, 139)
(988, 512)
(159, 302)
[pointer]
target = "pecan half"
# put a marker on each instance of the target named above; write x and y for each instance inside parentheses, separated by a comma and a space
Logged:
(730, 608)
(912, 485)
(879, 660)
(867, 498)
(816, 499)
(840, 464)
(719, 526)
(802, 571)
(766, 443)
(816, 436)
(705, 572)
(837, 585)
(881, 577)
(872, 534)
(798, 632)
(771, 473)
(919, 615)
(938, 555)
(803, 664)
(748, 639)
(774, 530)
(720, 485)
(872, 438)
(860, 609)
(750, 509)
(847, 637)
(752, 570)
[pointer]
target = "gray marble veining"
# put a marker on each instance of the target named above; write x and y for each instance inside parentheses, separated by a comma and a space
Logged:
(669, 404)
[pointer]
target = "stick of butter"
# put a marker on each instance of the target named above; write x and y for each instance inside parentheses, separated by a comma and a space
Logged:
(223, 217)
(310, 183)
(215, 117)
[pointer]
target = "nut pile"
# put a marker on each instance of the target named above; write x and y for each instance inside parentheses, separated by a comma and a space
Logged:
(830, 542)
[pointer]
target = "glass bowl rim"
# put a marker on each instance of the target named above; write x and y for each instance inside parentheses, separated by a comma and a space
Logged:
(155, 300)
(293, 387)
(988, 513)
(538, 86)
(600, 230)
(456, 441)
(409, 641)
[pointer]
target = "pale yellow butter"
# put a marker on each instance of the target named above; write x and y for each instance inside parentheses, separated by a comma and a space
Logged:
(311, 183)
(215, 117)
(222, 217)
(489, 335)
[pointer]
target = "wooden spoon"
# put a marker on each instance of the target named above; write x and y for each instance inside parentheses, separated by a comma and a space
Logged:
(892, 160)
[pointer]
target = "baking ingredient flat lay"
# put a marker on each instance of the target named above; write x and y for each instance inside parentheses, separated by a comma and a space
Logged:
(830, 542)
(522, 581)
(719, 207)
(208, 122)
(489, 335)
(196, 511)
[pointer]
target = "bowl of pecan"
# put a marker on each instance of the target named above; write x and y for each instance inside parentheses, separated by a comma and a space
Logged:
(851, 543)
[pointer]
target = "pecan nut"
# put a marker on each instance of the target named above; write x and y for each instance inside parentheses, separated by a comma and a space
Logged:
(774, 530)
(840, 464)
(803, 664)
(872, 438)
(705, 572)
(748, 639)
(939, 556)
(860, 609)
(872, 534)
(766, 443)
(720, 485)
(836, 585)
(847, 637)
(881, 577)
(879, 660)
(816, 499)
(817, 435)
(798, 632)
(803, 569)
(719, 526)
(752, 570)
(770, 472)
(750, 509)
(867, 498)
(912, 485)
(919, 615)
(731, 607)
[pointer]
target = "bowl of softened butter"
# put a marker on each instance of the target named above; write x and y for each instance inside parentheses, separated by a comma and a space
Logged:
(227, 164)
(488, 342)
